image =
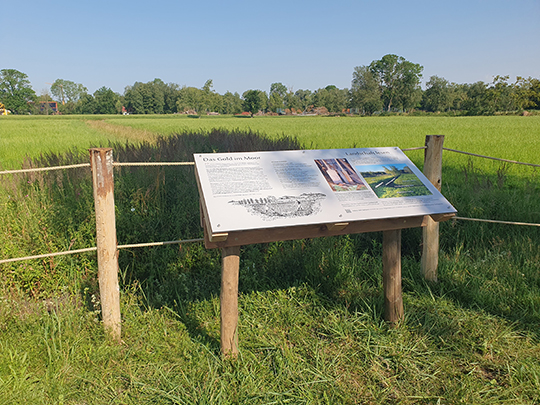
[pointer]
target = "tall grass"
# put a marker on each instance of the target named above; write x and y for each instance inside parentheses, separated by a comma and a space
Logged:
(311, 329)
(27, 137)
(509, 137)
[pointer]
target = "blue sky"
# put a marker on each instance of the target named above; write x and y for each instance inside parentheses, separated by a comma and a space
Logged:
(243, 45)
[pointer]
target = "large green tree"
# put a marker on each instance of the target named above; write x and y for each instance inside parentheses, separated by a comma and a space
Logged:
(334, 99)
(190, 98)
(399, 80)
(276, 97)
(212, 100)
(292, 102)
(170, 91)
(133, 99)
(305, 99)
(86, 105)
(67, 91)
(201, 100)
(146, 98)
(365, 91)
(527, 92)
(475, 100)
(105, 101)
(254, 101)
(231, 103)
(16, 91)
(501, 95)
(438, 95)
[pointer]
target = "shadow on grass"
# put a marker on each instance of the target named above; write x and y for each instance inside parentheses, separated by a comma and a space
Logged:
(481, 268)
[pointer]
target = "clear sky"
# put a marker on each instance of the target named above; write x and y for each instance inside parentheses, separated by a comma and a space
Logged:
(243, 45)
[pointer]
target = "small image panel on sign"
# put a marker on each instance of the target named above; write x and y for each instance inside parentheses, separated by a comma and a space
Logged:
(393, 181)
(340, 175)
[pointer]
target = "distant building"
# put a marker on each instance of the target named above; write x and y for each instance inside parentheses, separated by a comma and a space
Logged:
(45, 106)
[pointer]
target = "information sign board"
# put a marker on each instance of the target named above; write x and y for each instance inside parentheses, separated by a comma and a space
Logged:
(258, 190)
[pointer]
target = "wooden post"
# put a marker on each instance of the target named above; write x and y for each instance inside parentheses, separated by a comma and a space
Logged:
(430, 233)
(393, 299)
(101, 161)
(230, 266)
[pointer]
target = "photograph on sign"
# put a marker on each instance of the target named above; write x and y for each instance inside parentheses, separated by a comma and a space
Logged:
(394, 180)
(340, 175)
(257, 190)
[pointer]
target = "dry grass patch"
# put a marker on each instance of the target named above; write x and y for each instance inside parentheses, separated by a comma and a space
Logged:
(122, 132)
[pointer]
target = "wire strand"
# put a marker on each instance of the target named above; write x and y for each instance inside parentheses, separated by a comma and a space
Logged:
(492, 158)
(173, 242)
(44, 169)
(153, 163)
(417, 148)
(92, 249)
(68, 252)
(496, 221)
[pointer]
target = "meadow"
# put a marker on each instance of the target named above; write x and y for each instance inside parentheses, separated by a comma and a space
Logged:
(510, 137)
(311, 324)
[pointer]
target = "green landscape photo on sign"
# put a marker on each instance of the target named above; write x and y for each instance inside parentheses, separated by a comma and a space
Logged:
(393, 181)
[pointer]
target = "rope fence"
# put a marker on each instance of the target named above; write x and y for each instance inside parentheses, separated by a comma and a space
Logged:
(417, 148)
(494, 221)
(68, 252)
(93, 249)
(45, 169)
(153, 163)
(492, 158)
(119, 164)
(151, 244)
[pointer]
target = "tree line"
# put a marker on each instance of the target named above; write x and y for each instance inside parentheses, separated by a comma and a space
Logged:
(391, 84)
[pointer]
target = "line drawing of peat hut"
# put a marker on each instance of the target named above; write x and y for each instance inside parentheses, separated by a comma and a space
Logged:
(271, 207)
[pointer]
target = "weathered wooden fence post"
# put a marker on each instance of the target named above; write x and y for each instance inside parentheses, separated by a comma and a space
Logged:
(230, 266)
(101, 162)
(393, 299)
(430, 233)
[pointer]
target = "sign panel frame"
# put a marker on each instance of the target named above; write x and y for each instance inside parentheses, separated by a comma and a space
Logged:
(265, 196)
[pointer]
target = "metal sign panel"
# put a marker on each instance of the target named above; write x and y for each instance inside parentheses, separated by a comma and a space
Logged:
(258, 190)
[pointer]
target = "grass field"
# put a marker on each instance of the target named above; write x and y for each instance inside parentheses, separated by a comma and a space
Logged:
(510, 137)
(311, 328)
(31, 136)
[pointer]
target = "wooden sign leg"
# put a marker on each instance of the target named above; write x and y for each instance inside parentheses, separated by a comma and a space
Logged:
(393, 300)
(430, 233)
(430, 250)
(230, 265)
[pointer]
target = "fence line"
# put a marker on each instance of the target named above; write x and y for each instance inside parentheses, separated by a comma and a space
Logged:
(44, 169)
(172, 242)
(68, 252)
(417, 148)
(494, 221)
(492, 158)
(153, 163)
(150, 244)
(120, 164)
(93, 249)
